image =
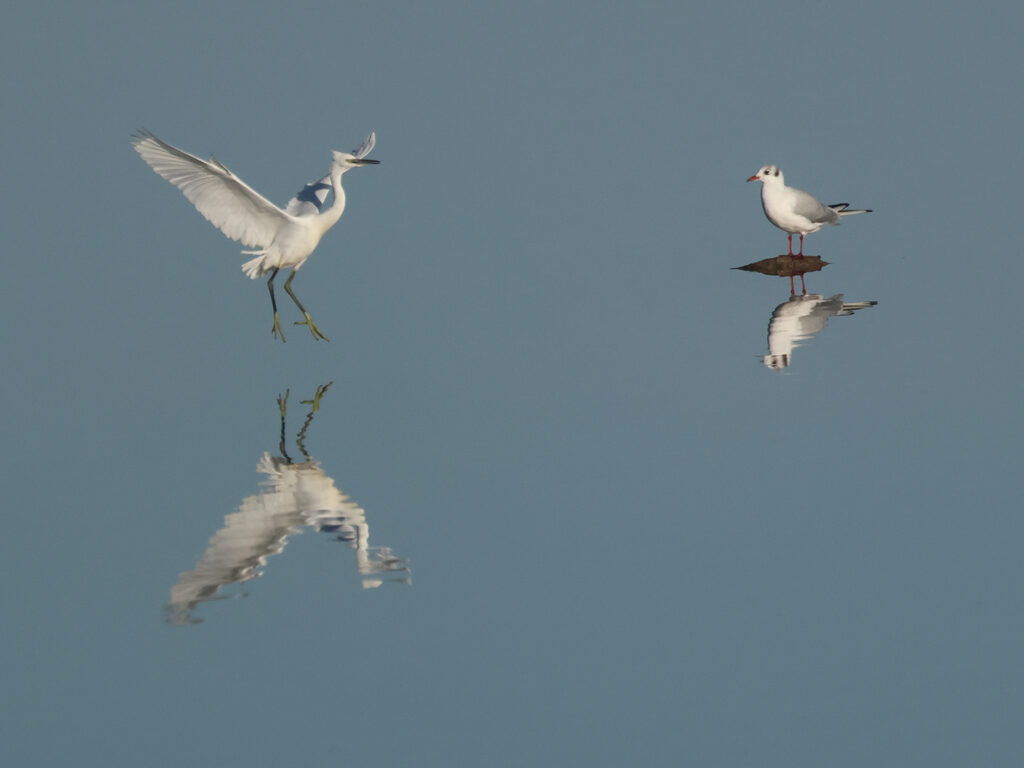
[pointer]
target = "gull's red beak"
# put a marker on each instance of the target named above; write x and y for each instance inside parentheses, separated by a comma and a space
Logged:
(753, 178)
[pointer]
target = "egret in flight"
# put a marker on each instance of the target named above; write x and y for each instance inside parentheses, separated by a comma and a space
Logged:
(794, 211)
(280, 238)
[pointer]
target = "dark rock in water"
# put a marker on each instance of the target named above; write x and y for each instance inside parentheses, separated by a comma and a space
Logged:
(786, 266)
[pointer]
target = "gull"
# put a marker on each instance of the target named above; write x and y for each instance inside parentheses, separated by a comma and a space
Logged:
(793, 210)
(279, 238)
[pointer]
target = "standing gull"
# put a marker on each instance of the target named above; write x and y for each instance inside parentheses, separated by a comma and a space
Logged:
(793, 210)
(279, 238)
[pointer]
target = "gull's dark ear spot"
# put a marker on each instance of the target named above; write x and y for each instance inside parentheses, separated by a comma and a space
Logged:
(776, 171)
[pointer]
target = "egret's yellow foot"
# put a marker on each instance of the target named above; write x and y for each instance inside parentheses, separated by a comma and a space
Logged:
(277, 328)
(317, 333)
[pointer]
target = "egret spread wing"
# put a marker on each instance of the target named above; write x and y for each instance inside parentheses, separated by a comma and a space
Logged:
(310, 199)
(365, 148)
(227, 202)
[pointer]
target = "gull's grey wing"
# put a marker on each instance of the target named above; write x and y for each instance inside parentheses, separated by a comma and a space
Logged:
(810, 207)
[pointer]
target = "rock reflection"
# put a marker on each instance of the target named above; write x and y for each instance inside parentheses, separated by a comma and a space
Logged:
(798, 319)
(293, 495)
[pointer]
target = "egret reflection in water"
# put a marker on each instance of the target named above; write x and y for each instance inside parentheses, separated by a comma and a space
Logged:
(294, 495)
(798, 319)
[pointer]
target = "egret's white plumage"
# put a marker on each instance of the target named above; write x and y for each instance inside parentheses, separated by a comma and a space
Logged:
(278, 238)
(794, 211)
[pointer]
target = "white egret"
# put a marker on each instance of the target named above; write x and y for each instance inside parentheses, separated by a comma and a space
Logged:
(794, 211)
(280, 238)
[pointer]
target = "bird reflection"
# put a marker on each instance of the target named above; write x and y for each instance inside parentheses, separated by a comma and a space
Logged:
(293, 495)
(798, 319)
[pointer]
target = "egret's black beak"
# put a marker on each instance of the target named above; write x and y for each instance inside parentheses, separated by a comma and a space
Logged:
(365, 161)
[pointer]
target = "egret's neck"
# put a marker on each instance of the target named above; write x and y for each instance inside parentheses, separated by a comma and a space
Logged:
(330, 216)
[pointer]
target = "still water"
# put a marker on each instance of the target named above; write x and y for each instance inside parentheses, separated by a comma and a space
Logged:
(565, 486)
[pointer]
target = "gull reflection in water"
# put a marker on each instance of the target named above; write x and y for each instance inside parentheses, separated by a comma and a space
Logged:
(798, 319)
(293, 495)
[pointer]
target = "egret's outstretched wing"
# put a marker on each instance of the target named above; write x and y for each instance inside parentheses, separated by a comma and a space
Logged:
(310, 199)
(227, 202)
(365, 148)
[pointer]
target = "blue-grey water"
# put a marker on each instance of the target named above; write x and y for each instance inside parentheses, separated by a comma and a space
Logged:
(578, 492)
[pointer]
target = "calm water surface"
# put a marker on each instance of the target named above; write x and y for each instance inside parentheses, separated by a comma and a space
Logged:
(564, 488)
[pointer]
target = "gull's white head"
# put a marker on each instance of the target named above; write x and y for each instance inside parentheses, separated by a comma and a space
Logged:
(769, 174)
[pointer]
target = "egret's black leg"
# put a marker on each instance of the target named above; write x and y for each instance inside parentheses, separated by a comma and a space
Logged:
(317, 333)
(273, 302)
